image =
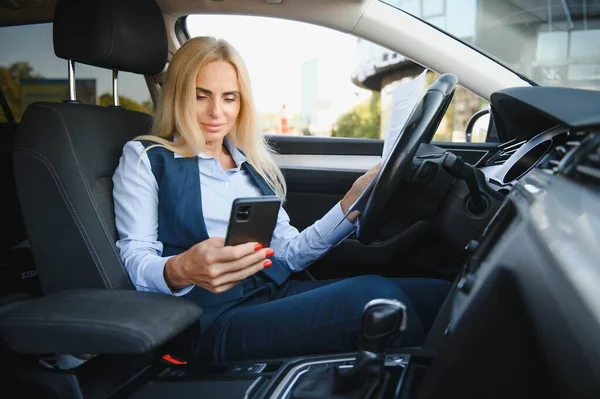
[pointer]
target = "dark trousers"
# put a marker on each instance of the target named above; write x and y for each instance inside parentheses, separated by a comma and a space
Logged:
(312, 317)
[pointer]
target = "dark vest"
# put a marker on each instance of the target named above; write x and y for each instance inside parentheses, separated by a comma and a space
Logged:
(181, 221)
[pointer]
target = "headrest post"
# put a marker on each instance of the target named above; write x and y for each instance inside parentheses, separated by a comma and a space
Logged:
(115, 75)
(72, 92)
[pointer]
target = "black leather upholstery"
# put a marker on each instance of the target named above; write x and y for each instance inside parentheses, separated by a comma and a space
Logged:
(65, 155)
(125, 35)
(96, 321)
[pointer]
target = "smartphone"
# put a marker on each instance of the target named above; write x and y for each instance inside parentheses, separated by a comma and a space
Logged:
(253, 220)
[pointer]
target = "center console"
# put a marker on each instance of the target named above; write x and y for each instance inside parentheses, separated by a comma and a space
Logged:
(316, 378)
(371, 372)
(281, 378)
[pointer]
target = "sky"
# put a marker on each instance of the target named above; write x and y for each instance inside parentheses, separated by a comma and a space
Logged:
(273, 49)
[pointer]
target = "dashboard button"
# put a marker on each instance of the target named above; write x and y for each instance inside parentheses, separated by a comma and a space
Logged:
(255, 368)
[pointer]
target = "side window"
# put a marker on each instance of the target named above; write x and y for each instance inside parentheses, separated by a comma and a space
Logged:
(300, 75)
(314, 81)
(30, 72)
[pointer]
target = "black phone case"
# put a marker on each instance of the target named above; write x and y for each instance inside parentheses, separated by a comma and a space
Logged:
(253, 220)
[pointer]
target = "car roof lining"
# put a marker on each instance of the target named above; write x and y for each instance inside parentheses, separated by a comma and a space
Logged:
(21, 12)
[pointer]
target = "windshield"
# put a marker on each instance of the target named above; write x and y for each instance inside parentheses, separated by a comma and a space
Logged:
(551, 42)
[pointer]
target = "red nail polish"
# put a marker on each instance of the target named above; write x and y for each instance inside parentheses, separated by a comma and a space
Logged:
(257, 246)
(267, 263)
(270, 253)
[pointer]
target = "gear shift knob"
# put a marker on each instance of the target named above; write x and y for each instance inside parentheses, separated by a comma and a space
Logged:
(381, 319)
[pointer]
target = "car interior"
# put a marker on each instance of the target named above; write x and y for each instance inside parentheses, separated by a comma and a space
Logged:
(515, 225)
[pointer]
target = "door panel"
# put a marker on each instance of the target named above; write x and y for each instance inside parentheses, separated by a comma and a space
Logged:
(325, 145)
(319, 171)
(303, 151)
(330, 163)
(312, 192)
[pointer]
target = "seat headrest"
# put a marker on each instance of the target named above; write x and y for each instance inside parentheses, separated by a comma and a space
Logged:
(127, 35)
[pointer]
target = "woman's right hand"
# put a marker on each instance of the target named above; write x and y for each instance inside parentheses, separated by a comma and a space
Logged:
(216, 267)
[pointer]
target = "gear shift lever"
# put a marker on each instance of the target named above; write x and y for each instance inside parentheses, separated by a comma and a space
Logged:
(367, 378)
(382, 318)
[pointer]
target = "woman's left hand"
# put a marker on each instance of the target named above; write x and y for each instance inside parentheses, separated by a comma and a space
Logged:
(357, 189)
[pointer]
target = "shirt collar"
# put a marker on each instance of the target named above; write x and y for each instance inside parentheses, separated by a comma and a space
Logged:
(238, 157)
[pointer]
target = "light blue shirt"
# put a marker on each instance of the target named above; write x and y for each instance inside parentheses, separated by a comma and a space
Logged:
(136, 215)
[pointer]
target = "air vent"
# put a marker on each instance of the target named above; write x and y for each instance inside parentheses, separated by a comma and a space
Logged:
(505, 152)
(562, 145)
(584, 164)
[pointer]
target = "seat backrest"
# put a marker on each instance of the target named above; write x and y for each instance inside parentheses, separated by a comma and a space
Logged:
(18, 273)
(66, 153)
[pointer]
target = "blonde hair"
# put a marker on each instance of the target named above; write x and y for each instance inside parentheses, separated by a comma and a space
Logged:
(176, 111)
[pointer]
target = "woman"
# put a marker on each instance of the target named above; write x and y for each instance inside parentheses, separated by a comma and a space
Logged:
(173, 192)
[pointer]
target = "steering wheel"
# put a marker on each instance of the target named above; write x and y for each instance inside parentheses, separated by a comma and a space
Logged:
(420, 129)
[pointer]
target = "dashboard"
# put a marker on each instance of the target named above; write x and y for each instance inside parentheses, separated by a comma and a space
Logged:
(546, 149)
(538, 127)
(525, 319)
